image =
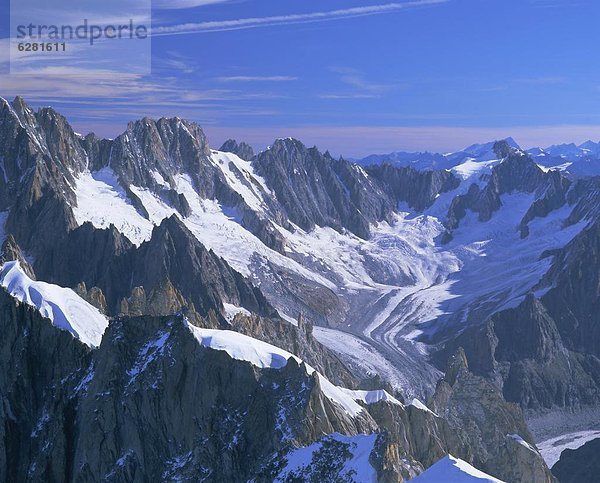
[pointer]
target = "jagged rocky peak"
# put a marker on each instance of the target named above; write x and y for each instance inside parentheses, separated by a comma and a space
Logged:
(179, 384)
(241, 149)
(315, 189)
(477, 412)
(167, 147)
(516, 172)
(11, 252)
(24, 113)
(418, 189)
(202, 277)
(503, 148)
(63, 144)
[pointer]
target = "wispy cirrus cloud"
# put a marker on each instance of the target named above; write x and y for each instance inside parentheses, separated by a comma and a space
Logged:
(174, 61)
(181, 4)
(541, 80)
(360, 86)
(311, 17)
(256, 78)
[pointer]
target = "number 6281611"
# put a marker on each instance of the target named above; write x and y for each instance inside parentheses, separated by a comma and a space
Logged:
(42, 47)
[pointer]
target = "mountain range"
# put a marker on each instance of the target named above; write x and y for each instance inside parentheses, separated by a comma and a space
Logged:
(578, 160)
(176, 312)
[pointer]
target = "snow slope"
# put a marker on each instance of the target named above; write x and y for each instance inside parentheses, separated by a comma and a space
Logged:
(453, 470)
(102, 201)
(263, 355)
(300, 463)
(65, 309)
(390, 288)
(551, 449)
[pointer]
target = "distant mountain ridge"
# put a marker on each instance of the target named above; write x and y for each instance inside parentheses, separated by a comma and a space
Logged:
(580, 160)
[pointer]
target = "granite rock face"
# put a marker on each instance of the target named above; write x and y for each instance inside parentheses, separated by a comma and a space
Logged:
(581, 465)
(416, 188)
(105, 259)
(516, 173)
(477, 411)
(243, 150)
(151, 403)
(315, 189)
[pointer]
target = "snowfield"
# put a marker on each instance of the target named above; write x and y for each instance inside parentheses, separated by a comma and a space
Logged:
(102, 201)
(65, 309)
(453, 470)
(551, 449)
(393, 292)
(263, 355)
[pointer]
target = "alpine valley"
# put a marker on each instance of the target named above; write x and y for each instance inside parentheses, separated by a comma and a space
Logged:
(172, 312)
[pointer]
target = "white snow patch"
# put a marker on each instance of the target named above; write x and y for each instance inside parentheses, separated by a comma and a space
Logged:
(522, 442)
(263, 355)
(419, 405)
(159, 179)
(243, 179)
(65, 309)
(232, 310)
(103, 202)
(551, 449)
(357, 468)
(453, 470)
(157, 209)
(471, 168)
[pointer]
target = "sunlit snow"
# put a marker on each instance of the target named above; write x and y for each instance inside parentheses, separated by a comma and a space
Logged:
(65, 309)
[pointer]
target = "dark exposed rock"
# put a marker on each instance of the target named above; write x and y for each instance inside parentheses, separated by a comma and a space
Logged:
(574, 300)
(36, 416)
(60, 421)
(105, 259)
(315, 189)
(152, 404)
(12, 252)
(522, 351)
(93, 296)
(418, 189)
(477, 411)
(581, 465)
(298, 341)
(241, 149)
(516, 173)
(553, 195)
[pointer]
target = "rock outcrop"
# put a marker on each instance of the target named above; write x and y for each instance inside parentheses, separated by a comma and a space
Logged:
(581, 465)
(243, 150)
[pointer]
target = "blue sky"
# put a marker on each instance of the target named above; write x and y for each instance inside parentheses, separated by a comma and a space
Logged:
(354, 77)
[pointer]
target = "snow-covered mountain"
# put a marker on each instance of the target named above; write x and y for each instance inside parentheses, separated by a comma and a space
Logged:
(330, 292)
(578, 160)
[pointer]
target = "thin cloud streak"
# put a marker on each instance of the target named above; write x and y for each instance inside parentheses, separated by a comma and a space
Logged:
(254, 78)
(255, 22)
(181, 4)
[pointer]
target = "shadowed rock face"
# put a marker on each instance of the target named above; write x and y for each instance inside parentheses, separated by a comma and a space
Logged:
(105, 259)
(516, 173)
(242, 149)
(418, 189)
(523, 352)
(477, 411)
(581, 465)
(152, 404)
(314, 189)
